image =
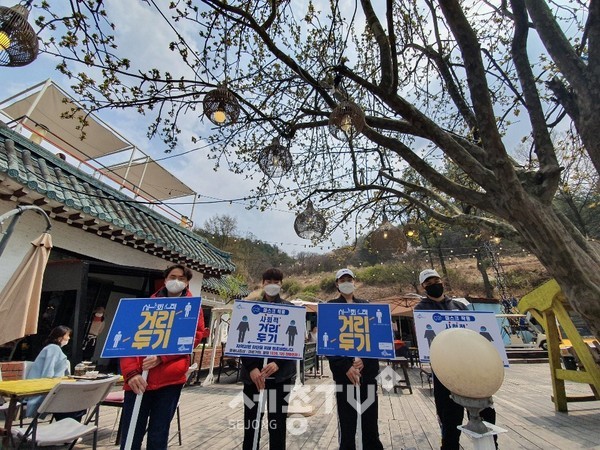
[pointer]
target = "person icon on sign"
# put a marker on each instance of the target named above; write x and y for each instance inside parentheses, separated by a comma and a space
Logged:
(325, 339)
(379, 315)
(429, 334)
(242, 328)
(485, 333)
(291, 331)
(117, 339)
(188, 309)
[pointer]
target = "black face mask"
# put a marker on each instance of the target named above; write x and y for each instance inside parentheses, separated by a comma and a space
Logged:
(435, 290)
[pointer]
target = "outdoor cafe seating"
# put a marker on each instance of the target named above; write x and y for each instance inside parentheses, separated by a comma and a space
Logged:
(66, 397)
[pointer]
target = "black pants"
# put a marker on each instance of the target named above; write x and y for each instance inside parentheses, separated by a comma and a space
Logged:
(346, 408)
(276, 406)
(156, 412)
(451, 414)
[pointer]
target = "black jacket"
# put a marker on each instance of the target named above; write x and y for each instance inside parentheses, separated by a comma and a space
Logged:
(447, 304)
(339, 365)
(287, 367)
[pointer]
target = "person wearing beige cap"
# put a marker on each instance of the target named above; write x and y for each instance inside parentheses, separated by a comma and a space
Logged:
(349, 372)
(450, 414)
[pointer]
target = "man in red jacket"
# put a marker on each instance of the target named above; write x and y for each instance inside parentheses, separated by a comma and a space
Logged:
(166, 376)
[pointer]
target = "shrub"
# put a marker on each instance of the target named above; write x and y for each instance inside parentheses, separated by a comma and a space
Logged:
(327, 284)
(291, 287)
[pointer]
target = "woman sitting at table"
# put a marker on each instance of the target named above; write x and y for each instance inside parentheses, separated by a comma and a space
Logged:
(51, 363)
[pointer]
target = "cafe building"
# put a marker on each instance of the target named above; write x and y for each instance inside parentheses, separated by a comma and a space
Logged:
(108, 242)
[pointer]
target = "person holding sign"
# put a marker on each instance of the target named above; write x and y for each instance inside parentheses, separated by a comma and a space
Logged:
(450, 414)
(275, 376)
(350, 372)
(166, 376)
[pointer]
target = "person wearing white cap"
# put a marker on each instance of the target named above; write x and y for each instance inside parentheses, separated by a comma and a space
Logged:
(349, 372)
(450, 413)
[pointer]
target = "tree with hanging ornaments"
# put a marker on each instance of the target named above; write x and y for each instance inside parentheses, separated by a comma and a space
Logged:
(357, 93)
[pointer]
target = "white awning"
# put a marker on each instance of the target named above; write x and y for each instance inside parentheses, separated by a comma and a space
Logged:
(146, 177)
(45, 103)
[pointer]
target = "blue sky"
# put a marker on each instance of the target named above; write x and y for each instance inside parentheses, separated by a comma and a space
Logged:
(148, 43)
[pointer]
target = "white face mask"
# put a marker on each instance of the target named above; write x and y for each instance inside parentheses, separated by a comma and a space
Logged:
(98, 314)
(346, 287)
(64, 342)
(272, 289)
(175, 286)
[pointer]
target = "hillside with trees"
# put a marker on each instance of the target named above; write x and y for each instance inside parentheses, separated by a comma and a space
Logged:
(470, 264)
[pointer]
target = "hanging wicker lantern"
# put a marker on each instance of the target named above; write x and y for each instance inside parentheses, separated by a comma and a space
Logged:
(221, 107)
(346, 121)
(18, 41)
(310, 224)
(275, 160)
(388, 239)
(411, 230)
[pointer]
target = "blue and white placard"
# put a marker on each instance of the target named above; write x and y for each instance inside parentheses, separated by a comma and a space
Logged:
(430, 323)
(266, 330)
(153, 326)
(362, 330)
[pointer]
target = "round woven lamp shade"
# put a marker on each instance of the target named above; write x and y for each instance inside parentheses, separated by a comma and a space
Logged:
(18, 42)
(221, 107)
(388, 239)
(310, 224)
(275, 160)
(346, 121)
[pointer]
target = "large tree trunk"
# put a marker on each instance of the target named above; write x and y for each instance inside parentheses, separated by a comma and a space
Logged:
(575, 264)
(482, 267)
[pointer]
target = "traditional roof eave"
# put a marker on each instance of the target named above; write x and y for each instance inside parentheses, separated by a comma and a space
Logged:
(29, 174)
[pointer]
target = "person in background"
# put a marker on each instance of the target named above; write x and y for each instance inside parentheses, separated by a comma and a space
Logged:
(51, 363)
(167, 375)
(96, 327)
(276, 377)
(350, 372)
(450, 414)
(313, 338)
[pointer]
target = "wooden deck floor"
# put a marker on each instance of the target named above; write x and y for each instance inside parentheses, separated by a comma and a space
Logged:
(212, 417)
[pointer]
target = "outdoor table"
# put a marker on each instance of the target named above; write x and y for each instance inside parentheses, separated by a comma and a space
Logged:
(20, 389)
(401, 363)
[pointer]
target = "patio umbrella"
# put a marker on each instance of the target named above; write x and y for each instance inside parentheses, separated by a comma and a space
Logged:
(20, 298)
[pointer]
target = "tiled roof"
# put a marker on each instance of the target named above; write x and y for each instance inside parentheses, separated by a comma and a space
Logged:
(29, 174)
(220, 285)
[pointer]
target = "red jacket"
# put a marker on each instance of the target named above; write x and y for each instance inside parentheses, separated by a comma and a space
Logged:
(172, 369)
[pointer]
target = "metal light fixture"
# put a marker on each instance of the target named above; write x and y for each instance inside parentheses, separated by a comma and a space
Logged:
(18, 42)
(346, 121)
(310, 224)
(221, 107)
(388, 238)
(275, 160)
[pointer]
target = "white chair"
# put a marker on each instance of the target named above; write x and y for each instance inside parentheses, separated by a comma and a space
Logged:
(66, 397)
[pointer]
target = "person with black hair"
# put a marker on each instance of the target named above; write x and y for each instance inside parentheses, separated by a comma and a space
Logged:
(166, 376)
(51, 363)
(276, 377)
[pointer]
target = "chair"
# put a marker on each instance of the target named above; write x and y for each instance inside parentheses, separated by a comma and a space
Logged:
(66, 397)
(425, 371)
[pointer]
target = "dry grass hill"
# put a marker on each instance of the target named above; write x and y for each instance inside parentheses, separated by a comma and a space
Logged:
(521, 274)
